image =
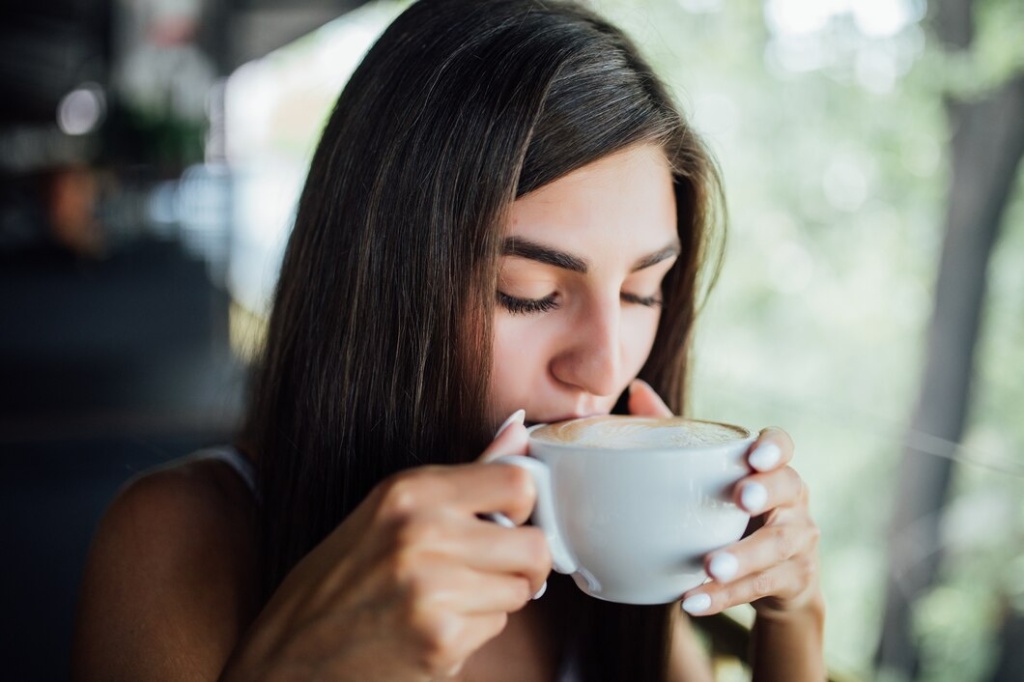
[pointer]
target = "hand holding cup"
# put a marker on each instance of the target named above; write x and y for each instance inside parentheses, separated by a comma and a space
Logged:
(775, 565)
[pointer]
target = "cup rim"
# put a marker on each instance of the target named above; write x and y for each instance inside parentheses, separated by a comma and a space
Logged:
(749, 435)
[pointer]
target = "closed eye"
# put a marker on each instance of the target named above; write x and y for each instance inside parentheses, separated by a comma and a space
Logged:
(649, 301)
(525, 306)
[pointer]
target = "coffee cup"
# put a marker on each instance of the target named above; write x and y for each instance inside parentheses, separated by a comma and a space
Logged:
(630, 506)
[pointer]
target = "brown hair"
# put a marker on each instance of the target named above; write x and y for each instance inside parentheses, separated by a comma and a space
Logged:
(378, 347)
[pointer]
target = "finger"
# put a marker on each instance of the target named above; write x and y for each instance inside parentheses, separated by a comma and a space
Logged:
(772, 449)
(447, 640)
(460, 589)
(519, 551)
(480, 629)
(759, 493)
(783, 581)
(770, 546)
(474, 542)
(645, 402)
(510, 438)
(464, 490)
(489, 488)
(423, 553)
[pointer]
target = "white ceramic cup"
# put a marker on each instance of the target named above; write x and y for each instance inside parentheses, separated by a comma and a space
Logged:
(632, 520)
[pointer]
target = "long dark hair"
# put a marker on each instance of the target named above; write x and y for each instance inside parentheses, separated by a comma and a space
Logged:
(378, 347)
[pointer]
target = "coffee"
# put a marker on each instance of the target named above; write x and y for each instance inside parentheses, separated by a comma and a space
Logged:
(630, 433)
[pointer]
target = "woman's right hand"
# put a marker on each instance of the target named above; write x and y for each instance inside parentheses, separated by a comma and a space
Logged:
(410, 584)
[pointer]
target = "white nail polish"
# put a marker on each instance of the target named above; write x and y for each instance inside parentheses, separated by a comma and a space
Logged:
(697, 603)
(723, 566)
(498, 518)
(754, 497)
(637, 382)
(516, 417)
(765, 457)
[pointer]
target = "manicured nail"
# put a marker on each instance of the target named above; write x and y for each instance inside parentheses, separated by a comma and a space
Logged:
(766, 456)
(754, 497)
(542, 590)
(723, 566)
(638, 382)
(697, 603)
(498, 518)
(516, 417)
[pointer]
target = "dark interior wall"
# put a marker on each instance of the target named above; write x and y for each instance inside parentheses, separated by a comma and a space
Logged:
(107, 368)
(52, 494)
(113, 364)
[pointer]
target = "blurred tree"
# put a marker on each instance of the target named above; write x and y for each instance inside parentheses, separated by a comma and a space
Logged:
(1010, 667)
(985, 113)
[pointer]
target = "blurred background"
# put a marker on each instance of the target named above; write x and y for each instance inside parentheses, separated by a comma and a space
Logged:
(871, 299)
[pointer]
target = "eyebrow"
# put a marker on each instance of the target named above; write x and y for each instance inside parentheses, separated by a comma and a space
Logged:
(524, 248)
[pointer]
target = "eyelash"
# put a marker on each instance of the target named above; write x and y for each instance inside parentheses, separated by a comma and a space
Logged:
(646, 301)
(526, 306)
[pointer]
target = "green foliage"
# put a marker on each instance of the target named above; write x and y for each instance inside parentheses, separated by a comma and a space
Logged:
(995, 56)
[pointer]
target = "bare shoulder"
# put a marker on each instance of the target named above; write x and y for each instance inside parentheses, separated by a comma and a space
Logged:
(170, 581)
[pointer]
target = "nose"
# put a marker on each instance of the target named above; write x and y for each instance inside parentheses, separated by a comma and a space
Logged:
(591, 359)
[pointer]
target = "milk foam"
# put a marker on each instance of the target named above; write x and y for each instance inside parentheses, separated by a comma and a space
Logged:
(625, 432)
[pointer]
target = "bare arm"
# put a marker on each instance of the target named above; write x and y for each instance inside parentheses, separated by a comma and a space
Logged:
(168, 585)
(688, 661)
(788, 646)
(407, 587)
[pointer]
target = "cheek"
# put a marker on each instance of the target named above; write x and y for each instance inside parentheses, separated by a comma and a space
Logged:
(511, 347)
(514, 366)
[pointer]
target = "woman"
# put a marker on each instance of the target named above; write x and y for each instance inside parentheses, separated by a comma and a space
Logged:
(505, 214)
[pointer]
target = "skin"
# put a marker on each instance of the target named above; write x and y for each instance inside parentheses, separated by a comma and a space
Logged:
(413, 585)
(577, 355)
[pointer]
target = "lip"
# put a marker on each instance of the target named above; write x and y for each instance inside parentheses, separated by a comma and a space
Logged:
(567, 417)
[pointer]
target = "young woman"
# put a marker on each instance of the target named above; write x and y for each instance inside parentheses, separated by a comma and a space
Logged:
(505, 215)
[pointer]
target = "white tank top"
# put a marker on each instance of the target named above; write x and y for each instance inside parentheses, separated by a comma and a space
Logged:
(236, 460)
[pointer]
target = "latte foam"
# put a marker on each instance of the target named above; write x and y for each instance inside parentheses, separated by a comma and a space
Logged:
(626, 432)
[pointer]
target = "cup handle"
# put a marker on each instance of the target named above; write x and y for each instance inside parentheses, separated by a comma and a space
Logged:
(543, 511)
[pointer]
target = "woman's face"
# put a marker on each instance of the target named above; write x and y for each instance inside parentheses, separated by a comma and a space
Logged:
(579, 287)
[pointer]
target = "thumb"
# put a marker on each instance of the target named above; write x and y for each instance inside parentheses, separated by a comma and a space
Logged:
(644, 402)
(511, 439)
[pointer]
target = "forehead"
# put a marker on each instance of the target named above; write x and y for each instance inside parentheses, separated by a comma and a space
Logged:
(625, 197)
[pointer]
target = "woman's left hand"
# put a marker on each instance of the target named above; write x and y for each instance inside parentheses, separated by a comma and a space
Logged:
(775, 566)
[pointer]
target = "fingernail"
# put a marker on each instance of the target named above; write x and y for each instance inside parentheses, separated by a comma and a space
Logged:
(697, 603)
(637, 382)
(754, 497)
(516, 417)
(766, 456)
(498, 518)
(723, 566)
(541, 591)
